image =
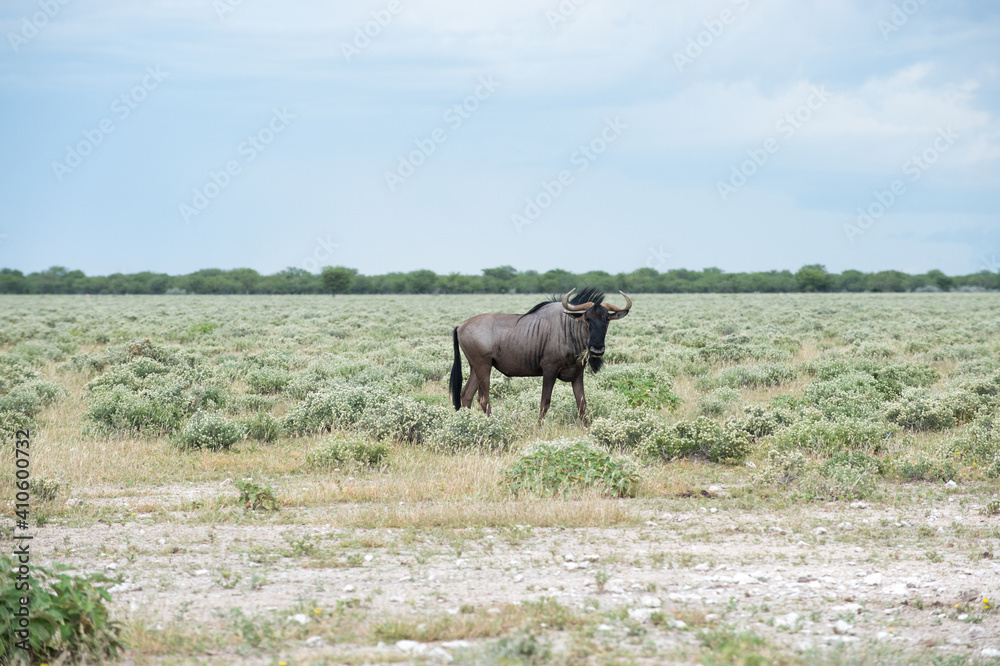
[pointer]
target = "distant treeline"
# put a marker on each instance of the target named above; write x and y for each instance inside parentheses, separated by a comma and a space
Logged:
(504, 279)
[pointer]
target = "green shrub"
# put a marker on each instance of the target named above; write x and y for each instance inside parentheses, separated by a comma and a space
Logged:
(342, 452)
(851, 395)
(119, 410)
(268, 380)
(251, 403)
(753, 376)
(822, 436)
(758, 421)
(781, 469)
(69, 614)
(703, 437)
(10, 424)
(210, 431)
(402, 419)
(256, 496)
(130, 398)
(626, 431)
(262, 427)
(336, 406)
(44, 489)
(468, 430)
(980, 444)
(926, 469)
(551, 468)
(640, 386)
(718, 402)
(847, 476)
(920, 409)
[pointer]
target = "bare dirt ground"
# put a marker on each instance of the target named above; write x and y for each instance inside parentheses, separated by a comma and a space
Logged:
(684, 581)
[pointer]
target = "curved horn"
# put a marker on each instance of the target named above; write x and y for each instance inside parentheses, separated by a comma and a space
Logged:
(574, 308)
(617, 311)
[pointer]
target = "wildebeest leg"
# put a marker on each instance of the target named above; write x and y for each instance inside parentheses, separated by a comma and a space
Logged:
(548, 382)
(483, 380)
(470, 389)
(581, 401)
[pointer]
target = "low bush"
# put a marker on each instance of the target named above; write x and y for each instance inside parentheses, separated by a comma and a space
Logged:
(923, 468)
(343, 452)
(781, 469)
(752, 376)
(702, 437)
(69, 614)
(262, 427)
(557, 467)
(920, 409)
(821, 436)
(718, 401)
(469, 430)
(402, 419)
(847, 476)
(338, 405)
(210, 431)
(628, 430)
(639, 386)
(256, 496)
(268, 380)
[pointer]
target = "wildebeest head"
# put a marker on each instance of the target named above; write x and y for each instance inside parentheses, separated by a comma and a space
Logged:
(596, 316)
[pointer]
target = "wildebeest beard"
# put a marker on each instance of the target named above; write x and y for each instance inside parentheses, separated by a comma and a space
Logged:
(595, 362)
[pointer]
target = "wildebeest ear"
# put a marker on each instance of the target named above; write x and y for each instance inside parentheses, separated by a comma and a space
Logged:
(617, 315)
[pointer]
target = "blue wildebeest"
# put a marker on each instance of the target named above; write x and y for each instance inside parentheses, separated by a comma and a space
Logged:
(553, 340)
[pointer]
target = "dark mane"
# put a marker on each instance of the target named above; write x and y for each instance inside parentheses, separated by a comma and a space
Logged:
(588, 295)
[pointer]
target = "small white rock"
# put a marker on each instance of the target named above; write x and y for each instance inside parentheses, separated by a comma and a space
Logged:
(842, 628)
(411, 647)
(750, 465)
(883, 635)
(819, 530)
(790, 620)
(301, 618)
(640, 614)
(604, 627)
(873, 579)
(701, 567)
(349, 588)
(989, 653)
(677, 624)
(518, 578)
(369, 557)
(649, 601)
(314, 642)
(616, 585)
(200, 572)
(951, 484)
(111, 566)
(440, 655)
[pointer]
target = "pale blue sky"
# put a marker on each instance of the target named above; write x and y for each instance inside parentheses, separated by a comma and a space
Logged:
(672, 98)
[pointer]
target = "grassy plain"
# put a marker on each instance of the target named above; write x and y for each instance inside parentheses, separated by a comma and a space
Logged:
(800, 461)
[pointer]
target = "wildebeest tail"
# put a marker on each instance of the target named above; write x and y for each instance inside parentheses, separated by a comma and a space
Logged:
(455, 384)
